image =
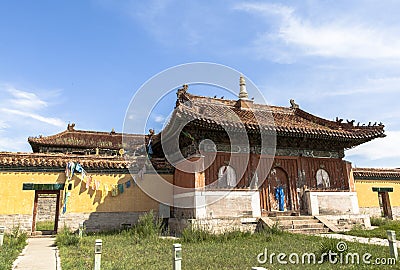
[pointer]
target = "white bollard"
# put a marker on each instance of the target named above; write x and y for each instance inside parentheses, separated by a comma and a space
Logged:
(2, 230)
(81, 227)
(177, 256)
(98, 246)
(392, 244)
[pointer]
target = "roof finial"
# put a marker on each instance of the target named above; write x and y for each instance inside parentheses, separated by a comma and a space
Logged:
(243, 92)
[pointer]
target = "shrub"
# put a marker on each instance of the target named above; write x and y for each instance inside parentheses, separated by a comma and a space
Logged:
(274, 230)
(148, 225)
(377, 221)
(13, 244)
(67, 238)
(195, 235)
(17, 238)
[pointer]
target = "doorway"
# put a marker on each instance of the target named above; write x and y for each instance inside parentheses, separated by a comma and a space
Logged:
(46, 212)
(384, 201)
(277, 178)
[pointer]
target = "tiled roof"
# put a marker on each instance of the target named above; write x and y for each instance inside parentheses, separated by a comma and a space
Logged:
(59, 160)
(11, 159)
(87, 139)
(285, 121)
(376, 173)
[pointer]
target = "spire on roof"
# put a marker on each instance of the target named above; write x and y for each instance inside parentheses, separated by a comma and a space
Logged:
(243, 92)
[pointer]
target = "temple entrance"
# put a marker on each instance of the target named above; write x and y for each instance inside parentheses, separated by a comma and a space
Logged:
(45, 212)
(384, 201)
(273, 189)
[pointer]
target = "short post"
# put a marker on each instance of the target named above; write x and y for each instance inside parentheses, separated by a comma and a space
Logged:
(177, 256)
(2, 230)
(392, 243)
(81, 229)
(98, 246)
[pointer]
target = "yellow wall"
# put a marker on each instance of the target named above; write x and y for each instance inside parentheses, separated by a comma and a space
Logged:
(368, 198)
(14, 200)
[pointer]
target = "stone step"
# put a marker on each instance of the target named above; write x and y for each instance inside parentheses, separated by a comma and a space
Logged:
(293, 218)
(309, 230)
(301, 226)
(297, 222)
(43, 233)
(282, 213)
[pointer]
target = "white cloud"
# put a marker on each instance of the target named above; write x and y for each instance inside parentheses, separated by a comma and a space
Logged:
(3, 125)
(386, 148)
(48, 120)
(159, 119)
(15, 144)
(25, 113)
(342, 38)
(25, 100)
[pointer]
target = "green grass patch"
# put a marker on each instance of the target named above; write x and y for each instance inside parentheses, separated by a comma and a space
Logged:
(380, 232)
(47, 225)
(13, 244)
(201, 250)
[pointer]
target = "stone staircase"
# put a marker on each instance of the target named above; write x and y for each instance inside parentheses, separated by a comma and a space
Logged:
(300, 224)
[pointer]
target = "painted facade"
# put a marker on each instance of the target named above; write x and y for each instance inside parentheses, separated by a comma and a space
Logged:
(25, 176)
(371, 184)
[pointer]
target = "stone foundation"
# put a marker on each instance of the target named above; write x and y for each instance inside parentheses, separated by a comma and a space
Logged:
(215, 225)
(217, 204)
(331, 203)
(376, 211)
(24, 222)
(347, 222)
(99, 221)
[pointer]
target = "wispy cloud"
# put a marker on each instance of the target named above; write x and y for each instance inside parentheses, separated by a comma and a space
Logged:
(159, 118)
(3, 125)
(24, 113)
(25, 104)
(296, 36)
(25, 100)
(48, 120)
(387, 148)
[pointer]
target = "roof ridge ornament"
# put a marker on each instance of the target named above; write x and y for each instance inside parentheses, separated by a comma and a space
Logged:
(71, 127)
(243, 91)
(293, 104)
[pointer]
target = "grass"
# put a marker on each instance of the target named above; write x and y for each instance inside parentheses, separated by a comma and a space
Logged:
(12, 247)
(380, 232)
(47, 225)
(130, 249)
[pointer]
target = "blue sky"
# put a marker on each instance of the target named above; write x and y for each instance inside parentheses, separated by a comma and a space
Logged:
(82, 61)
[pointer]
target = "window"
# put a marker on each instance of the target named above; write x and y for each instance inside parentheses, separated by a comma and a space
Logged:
(226, 177)
(322, 177)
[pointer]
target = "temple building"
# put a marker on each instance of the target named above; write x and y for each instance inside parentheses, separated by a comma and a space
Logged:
(303, 155)
(223, 158)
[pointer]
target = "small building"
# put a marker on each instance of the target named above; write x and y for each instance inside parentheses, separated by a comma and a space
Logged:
(378, 191)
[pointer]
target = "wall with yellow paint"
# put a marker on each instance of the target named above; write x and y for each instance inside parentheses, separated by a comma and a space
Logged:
(368, 198)
(14, 200)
